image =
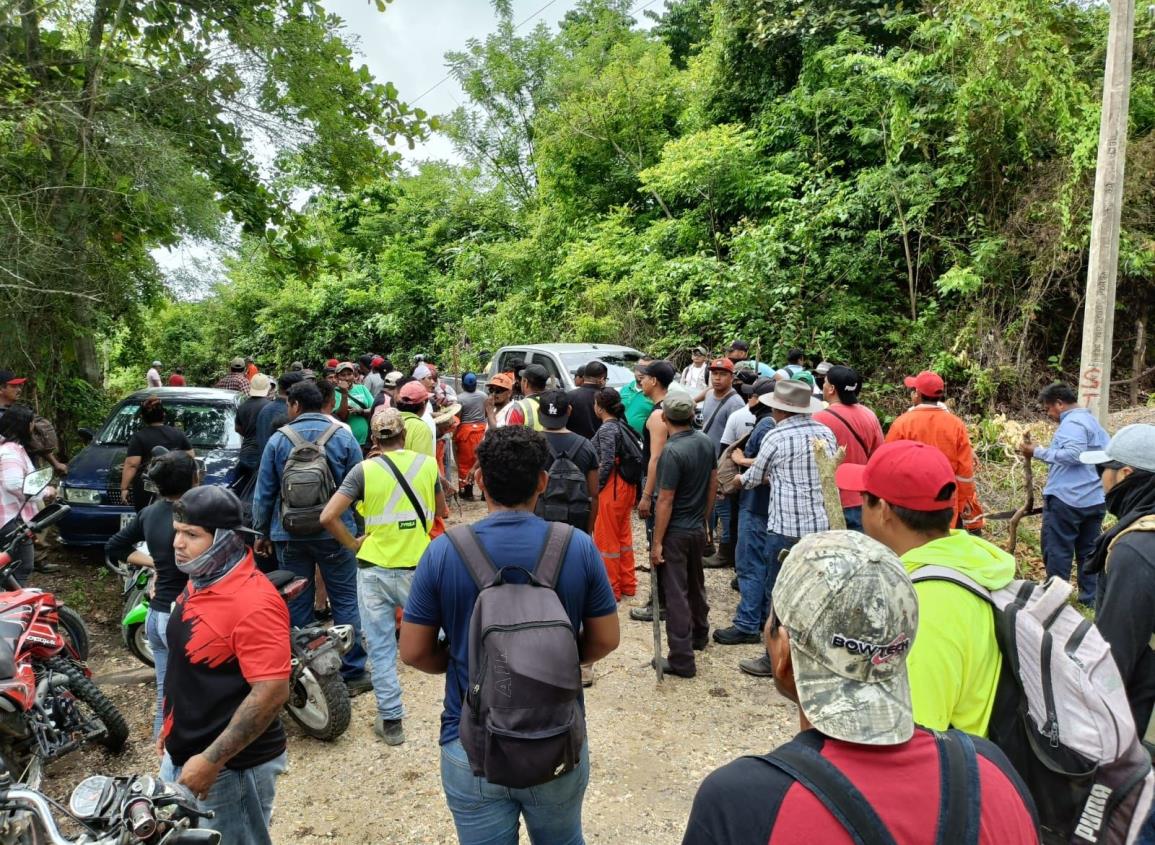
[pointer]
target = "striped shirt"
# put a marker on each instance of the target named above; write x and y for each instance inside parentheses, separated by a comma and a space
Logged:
(786, 462)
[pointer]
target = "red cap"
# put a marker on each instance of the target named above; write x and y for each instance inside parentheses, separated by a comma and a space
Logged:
(413, 393)
(904, 473)
(722, 364)
(332, 363)
(377, 361)
(927, 384)
(16, 381)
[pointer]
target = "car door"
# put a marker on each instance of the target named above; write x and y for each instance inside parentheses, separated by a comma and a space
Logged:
(547, 360)
(505, 359)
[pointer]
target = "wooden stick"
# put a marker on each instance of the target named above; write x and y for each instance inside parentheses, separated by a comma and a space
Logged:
(831, 498)
(655, 607)
(1028, 506)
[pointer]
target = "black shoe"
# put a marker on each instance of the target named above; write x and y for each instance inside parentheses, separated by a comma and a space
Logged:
(324, 614)
(709, 550)
(667, 669)
(724, 557)
(734, 584)
(735, 636)
(467, 493)
(646, 614)
(759, 667)
(46, 568)
(358, 684)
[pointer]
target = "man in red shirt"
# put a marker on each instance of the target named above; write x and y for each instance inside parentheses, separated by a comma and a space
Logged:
(843, 617)
(228, 671)
(855, 427)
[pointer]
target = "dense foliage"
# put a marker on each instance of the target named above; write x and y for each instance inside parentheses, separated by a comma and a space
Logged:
(893, 184)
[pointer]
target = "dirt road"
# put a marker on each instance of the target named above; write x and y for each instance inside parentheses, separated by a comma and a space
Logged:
(650, 746)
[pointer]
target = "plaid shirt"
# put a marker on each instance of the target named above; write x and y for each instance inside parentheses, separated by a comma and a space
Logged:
(786, 462)
(234, 381)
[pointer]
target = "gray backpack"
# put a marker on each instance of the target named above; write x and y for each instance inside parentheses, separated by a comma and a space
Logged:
(306, 482)
(521, 724)
(1061, 714)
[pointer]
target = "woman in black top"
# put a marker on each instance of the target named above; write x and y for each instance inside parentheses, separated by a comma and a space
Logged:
(173, 474)
(146, 438)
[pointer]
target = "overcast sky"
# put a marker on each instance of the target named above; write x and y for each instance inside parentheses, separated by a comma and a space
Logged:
(406, 45)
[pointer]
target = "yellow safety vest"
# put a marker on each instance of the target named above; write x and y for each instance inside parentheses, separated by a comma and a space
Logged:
(394, 538)
(530, 406)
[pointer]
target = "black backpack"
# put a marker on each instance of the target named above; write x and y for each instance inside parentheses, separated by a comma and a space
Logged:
(567, 496)
(306, 482)
(521, 725)
(630, 465)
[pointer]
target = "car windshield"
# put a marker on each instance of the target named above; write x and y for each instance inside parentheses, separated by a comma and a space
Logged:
(619, 364)
(207, 426)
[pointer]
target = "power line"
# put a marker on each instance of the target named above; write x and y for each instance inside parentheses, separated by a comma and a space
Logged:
(447, 76)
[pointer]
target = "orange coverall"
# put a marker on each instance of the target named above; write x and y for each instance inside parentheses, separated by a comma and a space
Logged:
(936, 426)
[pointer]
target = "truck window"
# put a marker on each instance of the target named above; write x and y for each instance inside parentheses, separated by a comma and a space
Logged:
(546, 360)
(506, 360)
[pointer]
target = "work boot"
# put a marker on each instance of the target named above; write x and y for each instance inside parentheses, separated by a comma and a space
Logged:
(735, 636)
(358, 684)
(667, 669)
(646, 613)
(724, 557)
(759, 667)
(467, 493)
(709, 550)
(389, 730)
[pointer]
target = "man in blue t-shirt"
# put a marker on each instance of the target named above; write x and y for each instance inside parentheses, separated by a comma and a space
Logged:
(511, 475)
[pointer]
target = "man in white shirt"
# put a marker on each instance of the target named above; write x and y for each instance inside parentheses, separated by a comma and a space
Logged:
(154, 375)
(697, 375)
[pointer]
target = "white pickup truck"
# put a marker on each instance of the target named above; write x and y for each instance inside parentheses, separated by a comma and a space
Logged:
(561, 361)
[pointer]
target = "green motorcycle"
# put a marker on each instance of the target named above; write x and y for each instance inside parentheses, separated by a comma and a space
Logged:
(135, 587)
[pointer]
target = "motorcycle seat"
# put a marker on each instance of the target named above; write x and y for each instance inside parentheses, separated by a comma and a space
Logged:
(281, 577)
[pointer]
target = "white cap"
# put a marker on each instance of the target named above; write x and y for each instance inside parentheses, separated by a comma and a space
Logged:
(156, 363)
(1132, 445)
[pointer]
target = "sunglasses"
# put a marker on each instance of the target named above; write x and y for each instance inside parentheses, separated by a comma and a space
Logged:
(493, 390)
(1102, 468)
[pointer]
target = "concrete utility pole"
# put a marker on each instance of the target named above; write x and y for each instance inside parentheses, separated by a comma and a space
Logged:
(1099, 315)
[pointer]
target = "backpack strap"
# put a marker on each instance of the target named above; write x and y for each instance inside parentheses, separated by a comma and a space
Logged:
(294, 438)
(1143, 523)
(717, 409)
(945, 573)
(553, 552)
(477, 559)
(329, 432)
(830, 786)
(960, 797)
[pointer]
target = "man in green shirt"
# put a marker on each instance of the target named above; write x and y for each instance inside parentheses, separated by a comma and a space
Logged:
(354, 402)
(638, 407)
(687, 486)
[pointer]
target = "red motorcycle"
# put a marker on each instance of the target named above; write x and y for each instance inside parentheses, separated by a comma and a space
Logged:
(49, 705)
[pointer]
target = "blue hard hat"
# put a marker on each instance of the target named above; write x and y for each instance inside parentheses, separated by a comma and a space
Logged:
(469, 381)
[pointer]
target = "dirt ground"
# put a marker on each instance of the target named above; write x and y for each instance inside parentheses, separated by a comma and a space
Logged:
(650, 746)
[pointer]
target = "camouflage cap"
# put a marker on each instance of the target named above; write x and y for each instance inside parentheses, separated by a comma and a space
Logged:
(852, 614)
(387, 423)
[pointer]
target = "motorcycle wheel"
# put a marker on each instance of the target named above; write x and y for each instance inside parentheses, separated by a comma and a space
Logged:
(74, 631)
(320, 705)
(137, 639)
(89, 694)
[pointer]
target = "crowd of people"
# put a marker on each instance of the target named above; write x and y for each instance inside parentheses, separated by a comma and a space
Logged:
(344, 477)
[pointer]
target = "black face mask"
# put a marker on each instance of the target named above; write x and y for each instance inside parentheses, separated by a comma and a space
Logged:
(1136, 492)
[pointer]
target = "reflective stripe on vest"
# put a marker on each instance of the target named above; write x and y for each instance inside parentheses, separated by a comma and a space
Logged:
(386, 508)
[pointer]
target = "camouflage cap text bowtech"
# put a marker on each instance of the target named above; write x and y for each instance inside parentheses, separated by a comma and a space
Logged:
(851, 612)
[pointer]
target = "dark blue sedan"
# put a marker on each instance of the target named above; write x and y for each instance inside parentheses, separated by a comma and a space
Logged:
(207, 416)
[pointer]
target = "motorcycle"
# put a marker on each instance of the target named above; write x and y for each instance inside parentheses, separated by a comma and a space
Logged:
(319, 700)
(109, 811)
(49, 705)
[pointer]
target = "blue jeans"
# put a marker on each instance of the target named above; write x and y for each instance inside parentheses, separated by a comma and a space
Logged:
(155, 627)
(339, 569)
(485, 814)
(750, 562)
(1070, 533)
(1147, 832)
(775, 543)
(721, 514)
(241, 799)
(381, 592)
(853, 518)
